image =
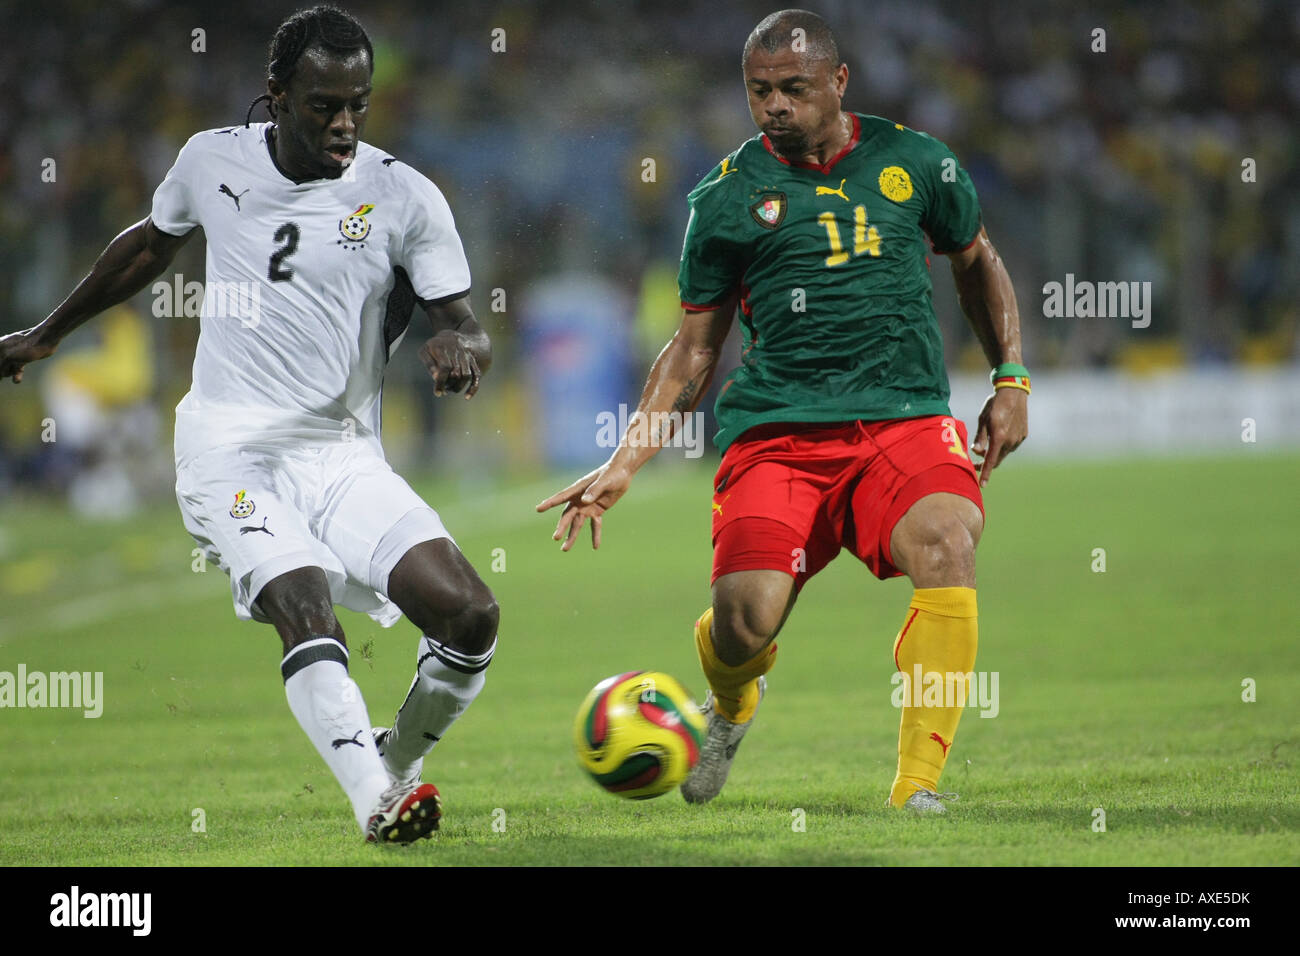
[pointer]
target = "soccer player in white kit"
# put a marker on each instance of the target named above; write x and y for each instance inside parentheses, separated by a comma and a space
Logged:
(318, 248)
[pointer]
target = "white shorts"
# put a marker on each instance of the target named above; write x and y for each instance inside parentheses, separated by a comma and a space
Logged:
(262, 509)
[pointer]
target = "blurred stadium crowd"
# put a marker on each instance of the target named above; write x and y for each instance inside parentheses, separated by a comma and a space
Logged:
(1121, 165)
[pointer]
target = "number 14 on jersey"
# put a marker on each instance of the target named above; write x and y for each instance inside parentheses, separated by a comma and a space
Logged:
(864, 239)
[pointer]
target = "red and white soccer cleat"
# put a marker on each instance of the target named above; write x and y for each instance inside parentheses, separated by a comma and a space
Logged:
(406, 812)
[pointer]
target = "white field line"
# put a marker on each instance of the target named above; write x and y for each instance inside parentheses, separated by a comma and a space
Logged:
(494, 512)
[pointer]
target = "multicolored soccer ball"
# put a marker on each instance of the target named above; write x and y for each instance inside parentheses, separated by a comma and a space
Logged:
(639, 734)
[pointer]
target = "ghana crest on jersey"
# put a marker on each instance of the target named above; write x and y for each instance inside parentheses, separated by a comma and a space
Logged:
(831, 266)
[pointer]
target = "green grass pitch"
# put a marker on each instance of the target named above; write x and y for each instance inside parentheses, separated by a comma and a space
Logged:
(1120, 690)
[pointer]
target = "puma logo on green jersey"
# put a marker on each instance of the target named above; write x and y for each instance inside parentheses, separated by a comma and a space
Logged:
(827, 191)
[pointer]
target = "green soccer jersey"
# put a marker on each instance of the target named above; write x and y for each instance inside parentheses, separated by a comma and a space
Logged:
(832, 270)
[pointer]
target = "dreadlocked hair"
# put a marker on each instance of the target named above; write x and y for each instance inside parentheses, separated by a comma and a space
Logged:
(323, 26)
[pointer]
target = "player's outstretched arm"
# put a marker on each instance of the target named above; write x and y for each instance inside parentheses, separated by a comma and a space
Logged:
(459, 352)
(678, 380)
(989, 302)
(132, 260)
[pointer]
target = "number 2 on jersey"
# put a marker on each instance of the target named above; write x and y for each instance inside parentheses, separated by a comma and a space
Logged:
(288, 234)
(864, 239)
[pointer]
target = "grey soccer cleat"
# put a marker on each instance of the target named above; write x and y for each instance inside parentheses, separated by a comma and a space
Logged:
(927, 801)
(720, 744)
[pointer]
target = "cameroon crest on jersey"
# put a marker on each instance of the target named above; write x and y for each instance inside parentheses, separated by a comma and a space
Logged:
(770, 209)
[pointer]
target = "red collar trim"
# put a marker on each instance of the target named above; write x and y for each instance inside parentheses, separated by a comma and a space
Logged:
(829, 164)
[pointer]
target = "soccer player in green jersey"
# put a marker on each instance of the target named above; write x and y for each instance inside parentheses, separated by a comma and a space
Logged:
(835, 429)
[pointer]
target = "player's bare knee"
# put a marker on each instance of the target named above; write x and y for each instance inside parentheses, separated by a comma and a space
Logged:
(742, 630)
(973, 520)
(475, 628)
(941, 553)
(440, 593)
(935, 541)
(957, 546)
(465, 620)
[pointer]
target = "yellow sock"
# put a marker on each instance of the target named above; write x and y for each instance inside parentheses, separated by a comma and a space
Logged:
(940, 636)
(735, 689)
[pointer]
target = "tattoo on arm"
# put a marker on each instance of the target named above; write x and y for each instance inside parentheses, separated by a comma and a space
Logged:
(681, 408)
(683, 402)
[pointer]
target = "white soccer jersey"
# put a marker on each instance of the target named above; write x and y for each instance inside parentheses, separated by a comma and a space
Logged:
(309, 286)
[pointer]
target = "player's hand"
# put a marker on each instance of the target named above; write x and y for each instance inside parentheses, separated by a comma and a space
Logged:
(451, 364)
(18, 349)
(1004, 425)
(587, 498)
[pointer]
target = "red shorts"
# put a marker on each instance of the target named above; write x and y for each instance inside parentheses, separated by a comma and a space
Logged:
(788, 496)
